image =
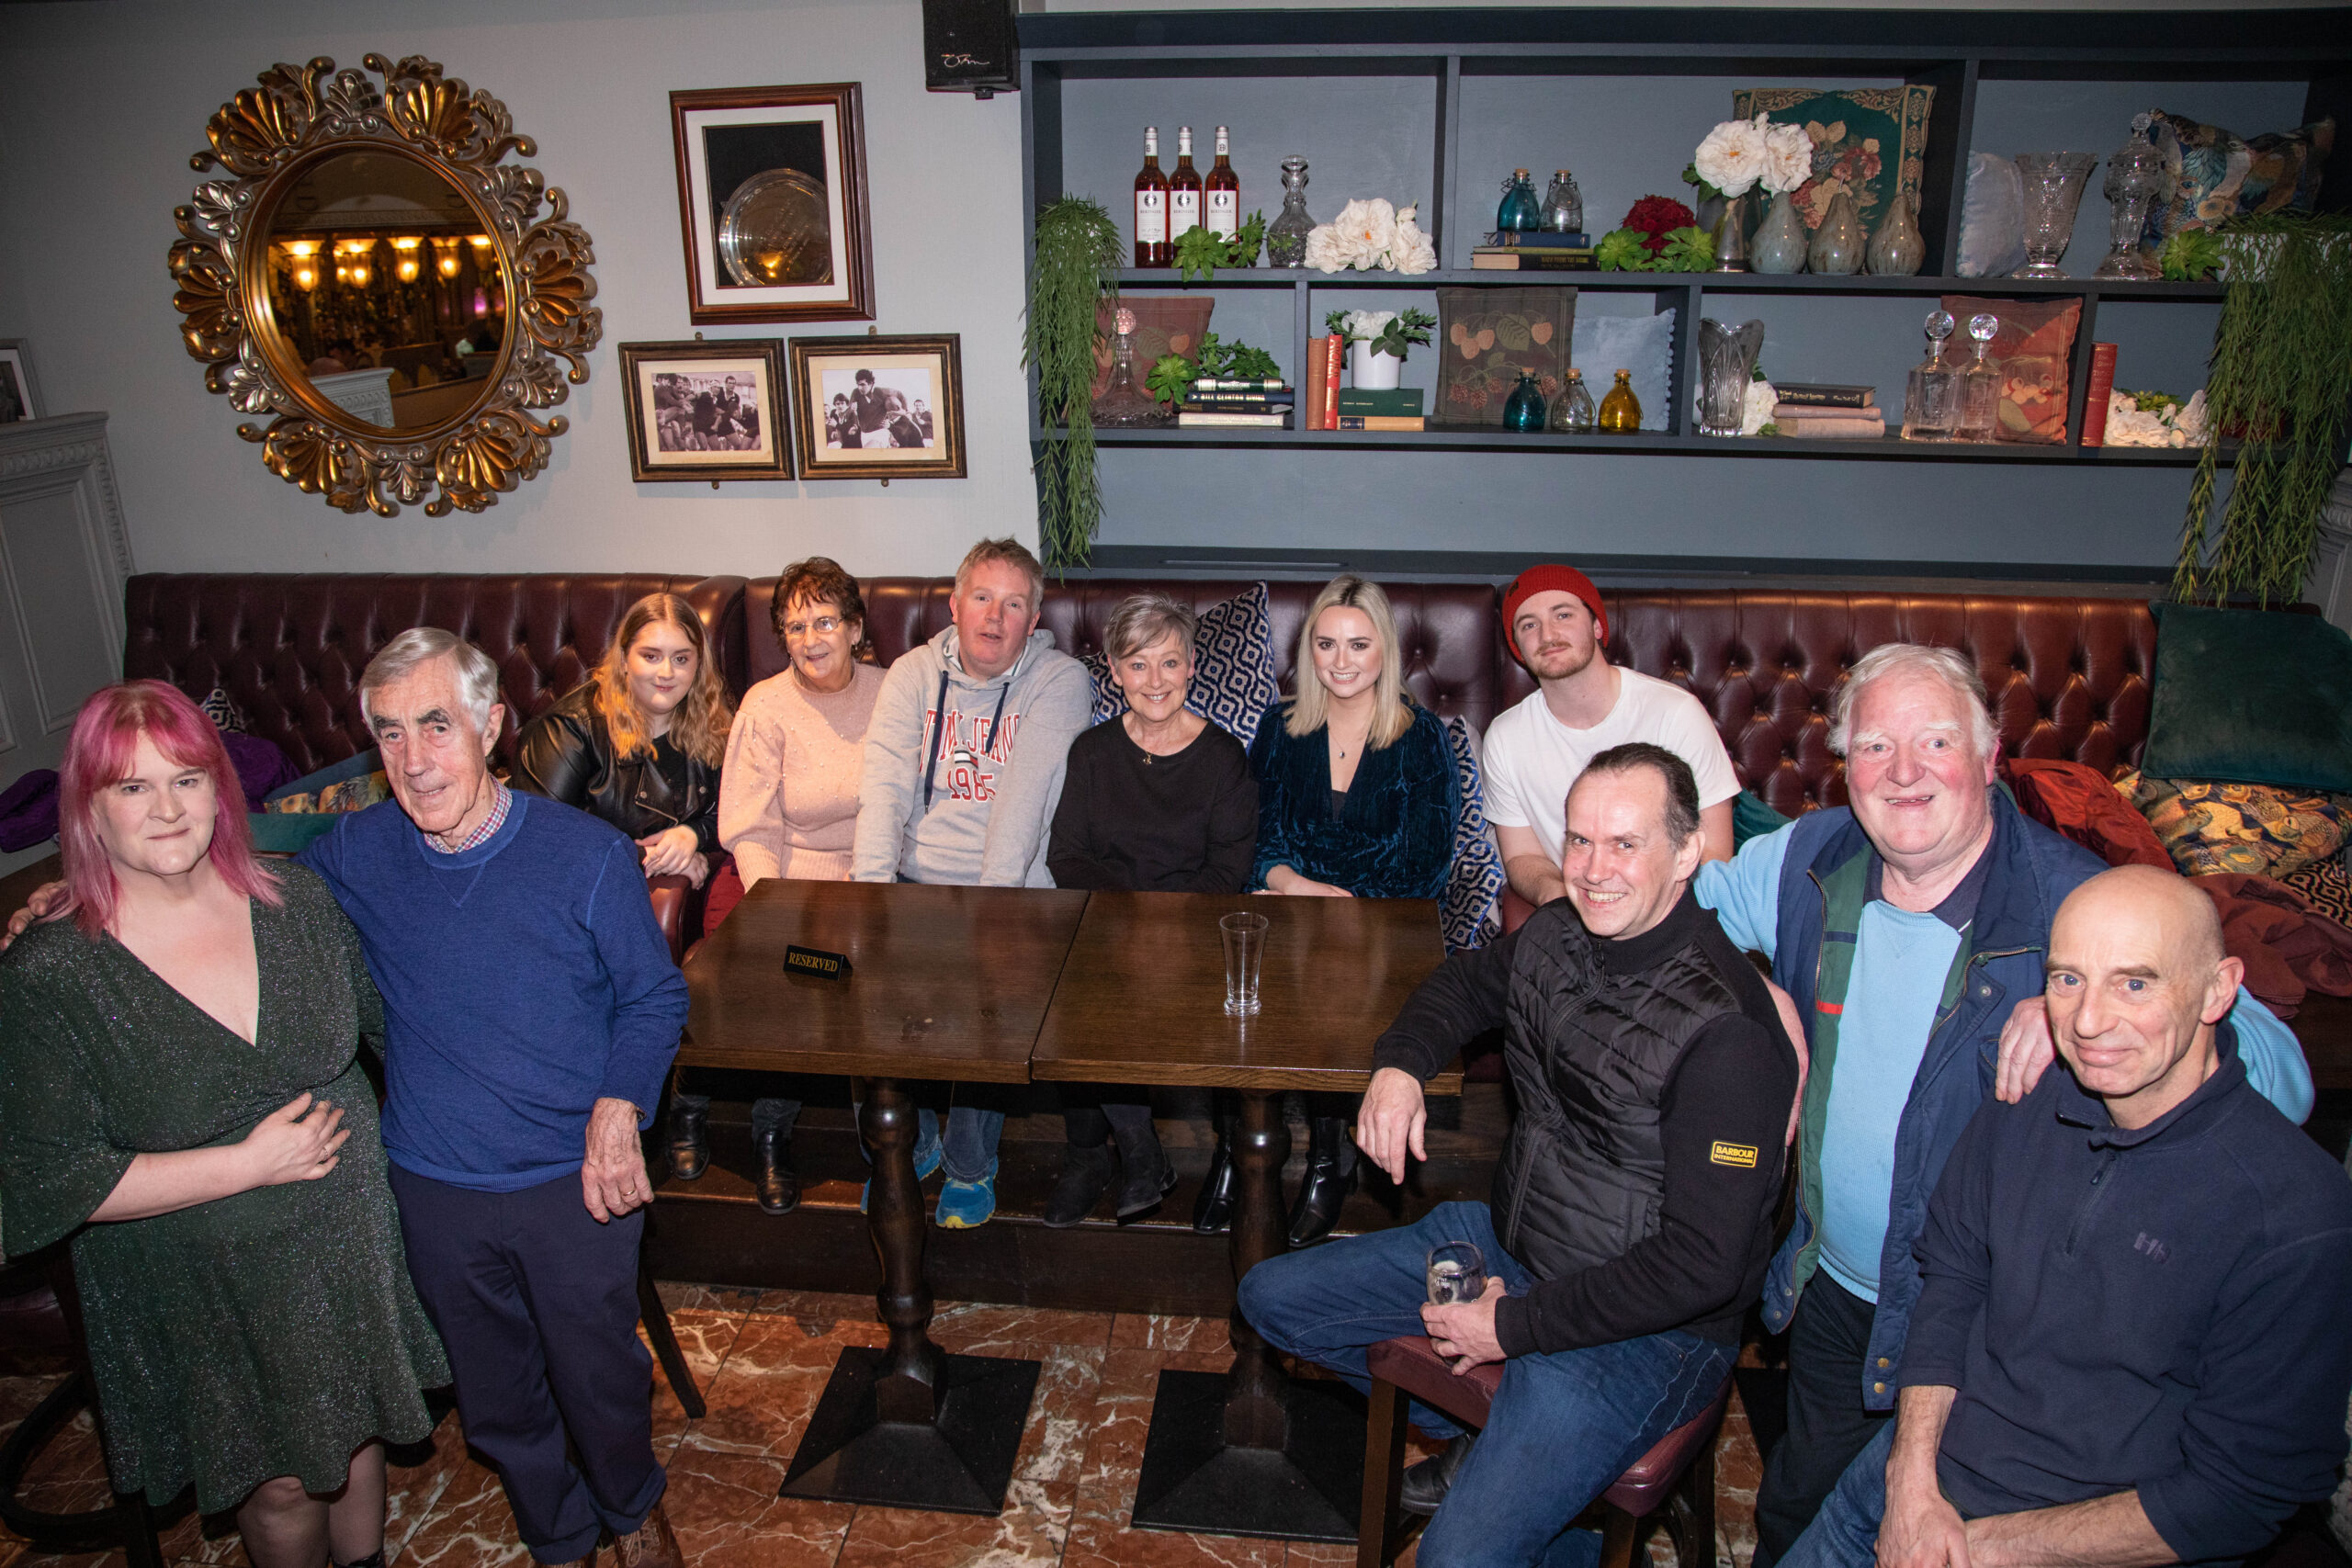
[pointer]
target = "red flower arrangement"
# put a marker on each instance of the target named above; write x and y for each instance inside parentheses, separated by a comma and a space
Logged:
(1655, 216)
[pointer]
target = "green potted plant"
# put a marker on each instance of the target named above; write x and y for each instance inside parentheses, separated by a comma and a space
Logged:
(1078, 257)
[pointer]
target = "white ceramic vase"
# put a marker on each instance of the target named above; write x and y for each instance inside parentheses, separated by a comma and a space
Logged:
(1373, 372)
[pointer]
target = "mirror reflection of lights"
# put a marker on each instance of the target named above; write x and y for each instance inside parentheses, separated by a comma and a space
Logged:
(302, 261)
(406, 265)
(445, 257)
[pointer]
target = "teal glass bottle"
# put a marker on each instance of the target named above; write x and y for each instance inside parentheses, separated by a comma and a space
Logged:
(1521, 212)
(1524, 411)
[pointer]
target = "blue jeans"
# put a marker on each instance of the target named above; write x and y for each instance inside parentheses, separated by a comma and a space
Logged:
(1844, 1533)
(969, 1151)
(1563, 1427)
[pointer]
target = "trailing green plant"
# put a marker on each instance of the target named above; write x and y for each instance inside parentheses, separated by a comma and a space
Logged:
(1080, 250)
(1394, 335)
(2191, 255)
(2280, 382)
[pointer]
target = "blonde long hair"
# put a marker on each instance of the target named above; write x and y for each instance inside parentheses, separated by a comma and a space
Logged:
(1310, 705)
(698, 726)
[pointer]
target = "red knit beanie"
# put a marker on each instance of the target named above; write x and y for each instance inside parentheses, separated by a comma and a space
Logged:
(1544, 578)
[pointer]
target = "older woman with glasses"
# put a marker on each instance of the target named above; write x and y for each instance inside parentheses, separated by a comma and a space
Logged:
(1157, 800)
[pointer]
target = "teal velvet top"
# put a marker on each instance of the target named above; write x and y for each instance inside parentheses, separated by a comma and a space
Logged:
(1395, 838)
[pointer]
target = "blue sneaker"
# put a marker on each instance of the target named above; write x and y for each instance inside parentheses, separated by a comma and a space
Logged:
(966, 1205)
(926, 1161)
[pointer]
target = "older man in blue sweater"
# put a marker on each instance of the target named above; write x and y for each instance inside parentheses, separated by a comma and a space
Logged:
(531, 1011)
(2129, 1348)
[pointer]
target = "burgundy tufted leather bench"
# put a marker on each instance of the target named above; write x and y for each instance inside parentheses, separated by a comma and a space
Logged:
(1676, 1476)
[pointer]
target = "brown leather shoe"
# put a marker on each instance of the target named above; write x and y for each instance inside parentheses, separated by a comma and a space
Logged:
(652, 1544)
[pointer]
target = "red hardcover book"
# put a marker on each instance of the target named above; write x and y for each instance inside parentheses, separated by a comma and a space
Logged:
(2095, 399)
(1334, 348)
(1312, 418)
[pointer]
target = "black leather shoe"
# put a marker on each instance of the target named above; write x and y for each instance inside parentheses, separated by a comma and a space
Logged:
(1426, 1484)
(689, 1139)
(1330, 1176)
(778, 1185)
(1144, 1175)
(1213, 1210)
(1086, 1176)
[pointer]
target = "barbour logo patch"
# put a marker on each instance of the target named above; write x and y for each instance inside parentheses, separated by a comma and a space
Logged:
(1740, 1154)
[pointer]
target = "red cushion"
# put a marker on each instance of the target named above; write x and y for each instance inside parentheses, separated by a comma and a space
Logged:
(2078, 801)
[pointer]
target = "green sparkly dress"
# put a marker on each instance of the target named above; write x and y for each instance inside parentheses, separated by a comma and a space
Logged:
(266, 1333)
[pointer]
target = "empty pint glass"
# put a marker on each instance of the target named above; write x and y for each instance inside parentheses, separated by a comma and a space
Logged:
(1457, 1273)
(1245, 953)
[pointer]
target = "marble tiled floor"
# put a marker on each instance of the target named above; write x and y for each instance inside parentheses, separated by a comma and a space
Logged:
(762, 1359)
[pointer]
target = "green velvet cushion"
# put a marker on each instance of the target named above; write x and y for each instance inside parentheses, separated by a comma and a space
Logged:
(2251, 696)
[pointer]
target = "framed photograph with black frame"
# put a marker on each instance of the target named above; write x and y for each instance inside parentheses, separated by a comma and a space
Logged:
(879, 408)
(18, 397)
(706, 410)
(772, 200)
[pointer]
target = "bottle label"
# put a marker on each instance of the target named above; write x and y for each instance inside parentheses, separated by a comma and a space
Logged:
(1151, 217)
(1225, 213)
(1183, 210)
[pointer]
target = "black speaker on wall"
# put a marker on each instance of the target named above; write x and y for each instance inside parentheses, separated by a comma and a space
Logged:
(968, 46)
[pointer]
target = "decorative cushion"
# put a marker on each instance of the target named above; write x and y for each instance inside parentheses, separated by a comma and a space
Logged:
(1992, 218)
(2079, 801)
(2257, 696)
(292, 815)
(1233, 667)
(1488, 336)
(223, 711)
(2217, 176)
(2036, 338)
(1752, 817)
(1867, 141)
(2325, 887)
(262, 767)
(1164, 324)
(1473, 887)
(2252, 830)
(1643, 344)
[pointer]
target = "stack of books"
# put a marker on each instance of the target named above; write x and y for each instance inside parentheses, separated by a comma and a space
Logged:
(1817, 411)
(1360, 409)
(1264, 405)
(1543, 251)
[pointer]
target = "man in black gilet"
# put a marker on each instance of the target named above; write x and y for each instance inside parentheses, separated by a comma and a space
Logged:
(1632, 1216)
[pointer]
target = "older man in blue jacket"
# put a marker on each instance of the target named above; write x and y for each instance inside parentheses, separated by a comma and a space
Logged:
(1906, 928)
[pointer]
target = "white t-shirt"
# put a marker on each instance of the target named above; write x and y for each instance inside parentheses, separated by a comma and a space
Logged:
(1532, 758)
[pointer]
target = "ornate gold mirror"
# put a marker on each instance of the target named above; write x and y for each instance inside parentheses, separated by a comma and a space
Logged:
(372, 272)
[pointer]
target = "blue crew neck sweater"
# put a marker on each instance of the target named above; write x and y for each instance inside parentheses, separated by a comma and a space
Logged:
(524, 979)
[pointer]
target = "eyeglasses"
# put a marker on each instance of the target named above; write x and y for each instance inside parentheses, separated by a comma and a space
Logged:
(823, 626)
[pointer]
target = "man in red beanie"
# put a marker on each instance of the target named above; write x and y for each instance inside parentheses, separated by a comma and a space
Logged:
(1583, 705)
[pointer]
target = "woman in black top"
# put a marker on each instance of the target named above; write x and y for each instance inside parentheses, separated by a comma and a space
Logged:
(1160, 800)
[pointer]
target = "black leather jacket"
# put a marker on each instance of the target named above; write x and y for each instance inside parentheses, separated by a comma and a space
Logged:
(566, 754)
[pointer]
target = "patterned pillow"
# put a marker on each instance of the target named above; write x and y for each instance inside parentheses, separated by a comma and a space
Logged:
(1233, 675)
(1473, 888)
(2254, 830)
(2326, 888)
(222, 710)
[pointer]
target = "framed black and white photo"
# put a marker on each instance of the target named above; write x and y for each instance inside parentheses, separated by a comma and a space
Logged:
(706, 410)
(879, 408)
(772, 200)
(17, 398)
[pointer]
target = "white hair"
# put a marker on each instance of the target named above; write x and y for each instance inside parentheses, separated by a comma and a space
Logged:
(1911, 659)
(477, 676)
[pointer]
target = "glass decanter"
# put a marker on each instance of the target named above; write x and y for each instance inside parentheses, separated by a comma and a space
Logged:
(1286, 236)
(1572, 410)
(1564, 204)
(1931, 397)
(1980, 384)
(2053, 193)
(1621, 411)
(1524, 411)
(2136, 181)
(1520, 213)
(1123, 402)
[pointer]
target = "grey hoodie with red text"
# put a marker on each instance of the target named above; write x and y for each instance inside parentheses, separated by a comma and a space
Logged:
(994, 766)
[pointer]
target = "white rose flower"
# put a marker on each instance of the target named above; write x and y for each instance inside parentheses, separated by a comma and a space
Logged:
(1732, 158)
(1414, 252)
(1757, 412)
(1326, 250)
(1362, 326)
(1788, 156)
(1369, 231)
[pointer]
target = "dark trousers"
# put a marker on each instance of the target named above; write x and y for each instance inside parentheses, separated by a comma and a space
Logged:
(1827, 1423)
(536, 1305)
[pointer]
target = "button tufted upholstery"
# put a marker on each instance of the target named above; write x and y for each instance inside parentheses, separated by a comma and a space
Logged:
(288, 649)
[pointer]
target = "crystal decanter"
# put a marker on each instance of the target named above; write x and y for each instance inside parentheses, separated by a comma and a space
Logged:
(1980, 384)
(1931, 397)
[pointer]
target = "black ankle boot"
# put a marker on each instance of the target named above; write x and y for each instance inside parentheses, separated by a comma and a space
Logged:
(778, 1185)
(689, 1138)
(1330, 1176)
(1144, 1175)
(1086, 1176)
(373, 1560)
(1426, 1484)
(1213, 1210)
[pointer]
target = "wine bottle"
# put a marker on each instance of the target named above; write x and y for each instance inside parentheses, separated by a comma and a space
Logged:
(1151, 206)
(1184, 188)
(1223, 191)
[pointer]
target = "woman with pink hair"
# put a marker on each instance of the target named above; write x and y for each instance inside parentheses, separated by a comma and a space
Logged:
(180, 1094)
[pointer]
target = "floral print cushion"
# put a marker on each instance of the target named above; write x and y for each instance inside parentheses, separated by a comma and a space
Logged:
(2253, 830)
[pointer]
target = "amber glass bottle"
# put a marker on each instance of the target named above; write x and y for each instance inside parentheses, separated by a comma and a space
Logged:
(1184, 188)
(1621, 411)
(1151, 206)
(1222, 191)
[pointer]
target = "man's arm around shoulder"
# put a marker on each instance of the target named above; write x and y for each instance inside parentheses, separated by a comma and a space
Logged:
(1744, 891)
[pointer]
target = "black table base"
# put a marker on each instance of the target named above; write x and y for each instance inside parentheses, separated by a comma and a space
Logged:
(958, 1463)
(1309, 1489)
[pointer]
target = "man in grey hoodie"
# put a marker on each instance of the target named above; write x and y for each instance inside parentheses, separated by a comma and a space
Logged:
(964, 760)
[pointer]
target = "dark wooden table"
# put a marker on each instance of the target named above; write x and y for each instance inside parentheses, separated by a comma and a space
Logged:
(946, 983)
(1142, 1001)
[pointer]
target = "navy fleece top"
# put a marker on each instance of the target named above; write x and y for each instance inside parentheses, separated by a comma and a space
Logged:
(524, 979)
(2159, 1309)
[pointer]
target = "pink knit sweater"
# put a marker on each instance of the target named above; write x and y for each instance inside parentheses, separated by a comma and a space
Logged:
(787, 797)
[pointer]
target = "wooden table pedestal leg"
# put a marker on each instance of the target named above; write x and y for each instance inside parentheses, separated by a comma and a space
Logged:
(908, 1425)
(1252, 1452)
